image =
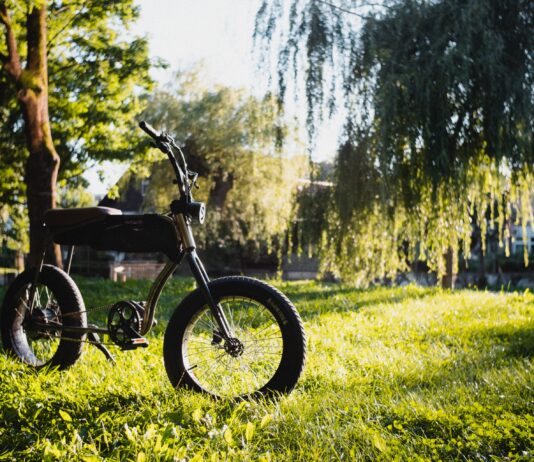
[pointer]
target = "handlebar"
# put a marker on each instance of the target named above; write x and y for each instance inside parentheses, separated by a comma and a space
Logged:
(165, 143)
(149, 130)
(185, 178)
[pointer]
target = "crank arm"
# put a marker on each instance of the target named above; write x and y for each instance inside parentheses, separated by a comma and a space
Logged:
(95, 340)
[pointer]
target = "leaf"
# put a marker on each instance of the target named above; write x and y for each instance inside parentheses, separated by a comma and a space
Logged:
(197, 414)
(228, 437)
(141, 457)
(267, 419)
(175, 417)
(249, 431)
(65, 415)
(37, 412)
(379, 443)
(51, 452)
(131, 433)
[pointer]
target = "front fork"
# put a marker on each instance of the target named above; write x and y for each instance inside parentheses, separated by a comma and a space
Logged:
(200, 275)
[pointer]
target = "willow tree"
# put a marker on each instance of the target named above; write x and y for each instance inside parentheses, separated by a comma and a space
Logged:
(69, 79)
(229, 138)
(439, 97)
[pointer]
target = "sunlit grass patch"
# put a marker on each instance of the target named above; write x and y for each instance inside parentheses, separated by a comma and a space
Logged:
(406, 373)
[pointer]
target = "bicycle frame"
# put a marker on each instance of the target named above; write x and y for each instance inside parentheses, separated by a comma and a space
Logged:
(182, 213)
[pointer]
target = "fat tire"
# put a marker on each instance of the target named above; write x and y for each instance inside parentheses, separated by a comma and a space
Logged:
(70, 301)
(294, 342)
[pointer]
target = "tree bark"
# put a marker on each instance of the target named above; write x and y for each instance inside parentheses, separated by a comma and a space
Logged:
(19, 261)
(32, 91)
(481, 282)
(41, 173)
(448, 281)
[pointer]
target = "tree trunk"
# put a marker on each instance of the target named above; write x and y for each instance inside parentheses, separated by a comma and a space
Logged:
(41, 176)
(482, 282)
(32, 92)
(43, 162)
(19, 261)
(449, 279)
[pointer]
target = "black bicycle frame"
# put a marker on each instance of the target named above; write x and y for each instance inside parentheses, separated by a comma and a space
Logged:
(181, 211)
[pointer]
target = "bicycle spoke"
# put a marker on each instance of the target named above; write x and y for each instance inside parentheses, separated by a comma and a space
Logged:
(39, 346)
(216, 368)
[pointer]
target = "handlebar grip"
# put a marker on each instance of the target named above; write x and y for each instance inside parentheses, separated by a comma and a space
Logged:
(149, 130)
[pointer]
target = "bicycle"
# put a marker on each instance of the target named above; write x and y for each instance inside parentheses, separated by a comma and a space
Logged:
(232, 337)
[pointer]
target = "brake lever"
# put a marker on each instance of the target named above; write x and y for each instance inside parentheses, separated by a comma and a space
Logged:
(193, 176)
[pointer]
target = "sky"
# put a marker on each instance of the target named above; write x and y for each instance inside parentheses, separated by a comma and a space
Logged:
(217, 33)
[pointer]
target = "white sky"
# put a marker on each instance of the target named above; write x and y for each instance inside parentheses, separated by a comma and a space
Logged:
(218, 32)
(215, 32)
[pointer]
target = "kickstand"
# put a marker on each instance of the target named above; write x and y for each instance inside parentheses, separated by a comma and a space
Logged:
(95, 340)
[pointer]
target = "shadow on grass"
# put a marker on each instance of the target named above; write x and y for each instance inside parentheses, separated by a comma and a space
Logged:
(485, 349)
(469, 408)
(514, 342)
(475, 399)
(306, 296)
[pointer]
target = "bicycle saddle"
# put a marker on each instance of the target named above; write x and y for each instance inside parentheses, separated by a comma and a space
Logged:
(60, 218)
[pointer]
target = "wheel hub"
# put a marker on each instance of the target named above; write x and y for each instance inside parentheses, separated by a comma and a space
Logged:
(234, 347)
(39, 316)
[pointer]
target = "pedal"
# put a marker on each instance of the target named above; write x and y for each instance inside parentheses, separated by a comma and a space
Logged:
(133, 343)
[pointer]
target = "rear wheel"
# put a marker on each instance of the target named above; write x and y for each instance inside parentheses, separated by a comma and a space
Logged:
(265, 355)
(36, 338)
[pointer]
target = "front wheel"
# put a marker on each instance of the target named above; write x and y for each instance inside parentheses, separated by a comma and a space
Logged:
(267, 351)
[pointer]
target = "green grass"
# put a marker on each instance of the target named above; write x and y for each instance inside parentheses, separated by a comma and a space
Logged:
(405, 373)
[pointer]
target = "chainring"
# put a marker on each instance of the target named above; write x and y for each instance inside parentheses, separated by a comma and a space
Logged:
(125, 320)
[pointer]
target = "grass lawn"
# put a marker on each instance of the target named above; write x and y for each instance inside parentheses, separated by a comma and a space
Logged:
(405, 373)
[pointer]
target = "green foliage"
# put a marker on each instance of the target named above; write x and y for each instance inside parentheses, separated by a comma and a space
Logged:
(13, 219)
(14, 225)
(229, 138)
(440, 108)
(311, 212)
(13, 155)
(97, 71)
(392, 374)
(94, 118)
(72, 197)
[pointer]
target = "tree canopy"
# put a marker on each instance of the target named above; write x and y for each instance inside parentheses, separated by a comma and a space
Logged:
(439, 97)
(96, 71)
(229, 138)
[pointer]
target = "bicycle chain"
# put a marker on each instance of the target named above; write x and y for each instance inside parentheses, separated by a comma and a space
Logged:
(87, 311)
(90, 342)
(90, 310)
